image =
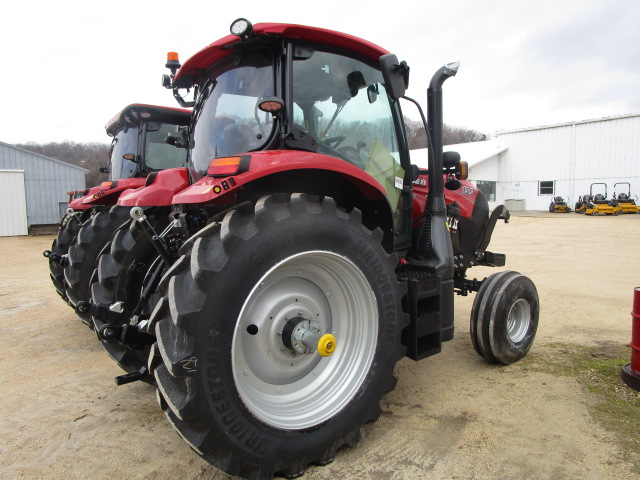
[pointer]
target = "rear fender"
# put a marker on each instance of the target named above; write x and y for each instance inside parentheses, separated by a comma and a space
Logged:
(273, 164)
(287, 171)
(159, 189)
(108, 193)
(500, 212)
(466, 196)
(76, 198)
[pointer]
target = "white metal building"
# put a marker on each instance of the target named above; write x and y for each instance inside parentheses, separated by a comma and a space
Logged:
(13, 214)
(531, 165)
(45, 183)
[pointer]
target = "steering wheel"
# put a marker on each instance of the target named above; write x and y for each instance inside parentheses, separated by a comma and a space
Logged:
(335, 141)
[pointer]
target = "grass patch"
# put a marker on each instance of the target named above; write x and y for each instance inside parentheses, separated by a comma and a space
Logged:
(598, 368)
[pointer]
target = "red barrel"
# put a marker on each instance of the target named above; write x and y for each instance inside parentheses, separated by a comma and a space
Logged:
(631, 372)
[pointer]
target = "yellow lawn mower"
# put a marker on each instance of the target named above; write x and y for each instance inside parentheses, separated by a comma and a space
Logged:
(558, 205)
(598, 204)
(626, 204)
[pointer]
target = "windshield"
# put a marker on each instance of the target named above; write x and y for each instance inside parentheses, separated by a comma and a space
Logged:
(123, 143)
(158, 154)
(342, 102)
(227, 118)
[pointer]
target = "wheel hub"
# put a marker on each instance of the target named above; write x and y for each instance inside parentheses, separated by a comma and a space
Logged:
(518, 320)
(302, 336)
(297, 309)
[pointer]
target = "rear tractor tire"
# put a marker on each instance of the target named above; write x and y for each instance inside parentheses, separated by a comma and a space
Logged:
(121, 273)
(237, 373)
(69, 227)
(84, 252)
(504, 317)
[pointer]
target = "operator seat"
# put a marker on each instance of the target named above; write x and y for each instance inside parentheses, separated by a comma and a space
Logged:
(236, 139)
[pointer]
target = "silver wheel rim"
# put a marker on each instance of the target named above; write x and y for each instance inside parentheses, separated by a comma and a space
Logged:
(295, 391)
(518, 320)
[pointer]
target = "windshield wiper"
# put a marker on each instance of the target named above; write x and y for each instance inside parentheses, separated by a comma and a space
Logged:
(338, 110)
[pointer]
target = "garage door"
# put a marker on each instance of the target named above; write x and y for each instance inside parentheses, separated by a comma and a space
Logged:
(13, 206)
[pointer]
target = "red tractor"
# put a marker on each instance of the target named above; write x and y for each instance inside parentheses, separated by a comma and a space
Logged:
(138, 148)
(272, 286)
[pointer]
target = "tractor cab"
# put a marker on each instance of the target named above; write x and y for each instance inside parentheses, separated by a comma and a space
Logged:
(310, 112)
(139, 144)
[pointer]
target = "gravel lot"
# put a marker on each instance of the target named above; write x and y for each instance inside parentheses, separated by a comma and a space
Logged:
(451, 416)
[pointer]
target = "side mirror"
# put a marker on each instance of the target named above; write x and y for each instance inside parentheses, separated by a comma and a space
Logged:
(103, 170)
(450, 159)
(175, 141)
(415, 172)
(395, 75)
(372, 93)
(452, 164)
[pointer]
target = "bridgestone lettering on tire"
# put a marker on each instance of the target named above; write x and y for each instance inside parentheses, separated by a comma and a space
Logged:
(231, 387)
(84, 252)
(504, 317)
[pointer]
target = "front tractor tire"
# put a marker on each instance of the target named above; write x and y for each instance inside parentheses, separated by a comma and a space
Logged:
(237, 375)
(504, 317)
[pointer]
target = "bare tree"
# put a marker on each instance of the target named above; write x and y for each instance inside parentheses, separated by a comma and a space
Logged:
(417, 137)
(91, 156)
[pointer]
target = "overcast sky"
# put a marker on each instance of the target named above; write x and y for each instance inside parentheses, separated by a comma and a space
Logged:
(69, 66)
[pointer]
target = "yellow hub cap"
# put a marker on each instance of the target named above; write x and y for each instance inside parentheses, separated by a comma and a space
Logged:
(326, 345)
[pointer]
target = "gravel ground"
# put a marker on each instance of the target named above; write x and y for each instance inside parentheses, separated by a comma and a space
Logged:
(452, 416)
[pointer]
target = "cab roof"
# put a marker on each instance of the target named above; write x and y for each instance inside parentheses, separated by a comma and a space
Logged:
(319, 36)
(136, 112)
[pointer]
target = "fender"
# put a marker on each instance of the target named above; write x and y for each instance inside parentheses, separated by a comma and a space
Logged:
(212, 190)
(159, 189)
(75, 199)
(466, 196)
(107, 193)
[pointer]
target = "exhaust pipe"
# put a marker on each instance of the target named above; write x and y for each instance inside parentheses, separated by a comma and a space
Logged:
(438, 237)
(436, 127)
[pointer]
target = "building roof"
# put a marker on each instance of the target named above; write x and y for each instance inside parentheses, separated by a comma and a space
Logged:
(29, 152)
(568, 124)
(473, 152)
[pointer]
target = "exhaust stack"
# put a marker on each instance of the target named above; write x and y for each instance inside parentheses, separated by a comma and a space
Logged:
(440, 240)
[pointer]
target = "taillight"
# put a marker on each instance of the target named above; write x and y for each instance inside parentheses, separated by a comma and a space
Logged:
(228, 166)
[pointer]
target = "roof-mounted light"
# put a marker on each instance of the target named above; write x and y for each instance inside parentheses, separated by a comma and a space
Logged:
(173, 63)
(241, 28)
